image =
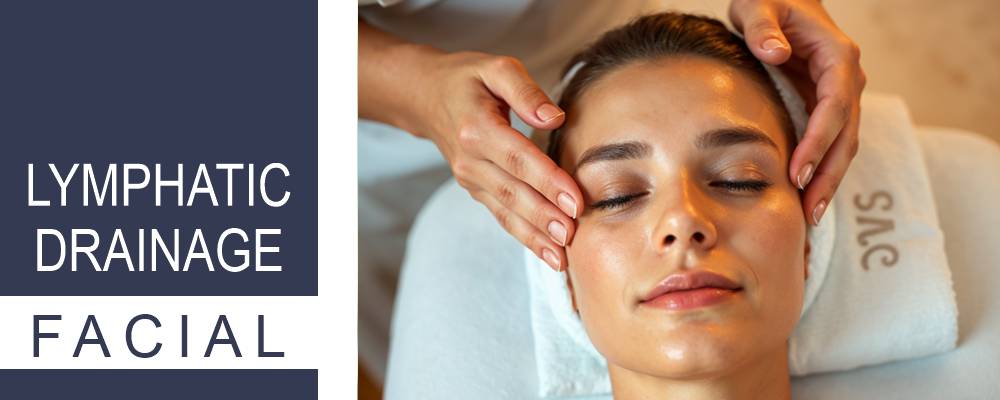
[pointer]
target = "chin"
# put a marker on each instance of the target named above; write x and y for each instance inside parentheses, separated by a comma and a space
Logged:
(694, 353)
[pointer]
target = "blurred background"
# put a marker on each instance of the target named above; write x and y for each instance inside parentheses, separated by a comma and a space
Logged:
(942, 57)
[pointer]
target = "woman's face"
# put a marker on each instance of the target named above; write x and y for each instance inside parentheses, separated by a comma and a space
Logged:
(683, 163)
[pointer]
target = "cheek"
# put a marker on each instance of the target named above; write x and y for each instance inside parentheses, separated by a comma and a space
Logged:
(601, 265)
(771, 240)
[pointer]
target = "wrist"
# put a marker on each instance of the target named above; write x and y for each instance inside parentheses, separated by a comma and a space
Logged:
(416, 87)
(402, 86)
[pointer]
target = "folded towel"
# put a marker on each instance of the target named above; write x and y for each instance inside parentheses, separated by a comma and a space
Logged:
(879, 286)
(888, 295)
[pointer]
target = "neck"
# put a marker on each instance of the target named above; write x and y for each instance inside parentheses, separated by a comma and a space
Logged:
(765, 378)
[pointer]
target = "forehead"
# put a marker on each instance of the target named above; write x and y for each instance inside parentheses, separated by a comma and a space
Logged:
(667, 103)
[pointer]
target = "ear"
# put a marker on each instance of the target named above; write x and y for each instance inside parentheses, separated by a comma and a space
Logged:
(805, 263)
(572, 293)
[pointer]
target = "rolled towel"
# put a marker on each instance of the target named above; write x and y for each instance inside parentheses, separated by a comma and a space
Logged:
(879, 287)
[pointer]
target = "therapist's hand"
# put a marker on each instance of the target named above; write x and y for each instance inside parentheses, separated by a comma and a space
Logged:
(461, 101)
(824, 65)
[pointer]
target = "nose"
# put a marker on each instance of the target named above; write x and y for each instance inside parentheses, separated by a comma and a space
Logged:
(686, 223)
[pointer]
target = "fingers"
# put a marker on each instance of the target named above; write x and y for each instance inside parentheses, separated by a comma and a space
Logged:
(832, 112)
(529, 195)
(831, 82)
(830, 142)
(832, 170)
(797, 72)
(539, 243)
(760, 23)
(507, 79)
(521, 159)
(523, 200)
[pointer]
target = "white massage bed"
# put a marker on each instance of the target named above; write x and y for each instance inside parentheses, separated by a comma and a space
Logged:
(461, 327)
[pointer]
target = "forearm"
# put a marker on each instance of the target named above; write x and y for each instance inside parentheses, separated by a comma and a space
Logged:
(388, 73)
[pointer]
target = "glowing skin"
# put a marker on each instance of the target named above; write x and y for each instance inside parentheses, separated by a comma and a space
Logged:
(666, 206)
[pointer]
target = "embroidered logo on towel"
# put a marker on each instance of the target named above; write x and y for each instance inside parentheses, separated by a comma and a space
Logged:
(873, 225)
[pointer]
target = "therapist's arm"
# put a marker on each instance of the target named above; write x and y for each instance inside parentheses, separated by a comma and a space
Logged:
(460, 101)
(825, 66)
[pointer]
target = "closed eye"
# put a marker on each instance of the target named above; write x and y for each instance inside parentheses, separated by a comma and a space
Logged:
(616, 202)
(734, 186)
(741, 186)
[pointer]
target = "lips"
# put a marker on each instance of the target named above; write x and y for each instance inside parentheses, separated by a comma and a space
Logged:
(691, 290)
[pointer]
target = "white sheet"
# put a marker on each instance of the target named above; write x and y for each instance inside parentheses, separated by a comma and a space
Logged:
(461, 327)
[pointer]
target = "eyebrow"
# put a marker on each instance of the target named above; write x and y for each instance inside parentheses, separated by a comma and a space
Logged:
(732, 136)
(615, 151)
(633, 150)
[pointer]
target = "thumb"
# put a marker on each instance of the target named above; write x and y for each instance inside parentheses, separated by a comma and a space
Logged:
(762, 30)
(507, 79)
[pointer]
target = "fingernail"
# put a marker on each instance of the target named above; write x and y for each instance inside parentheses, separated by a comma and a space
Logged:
(805, 175)
(772, 43)
(548, 112)
(558, 232)
(550, 258)
(818, 211)
(567, 204)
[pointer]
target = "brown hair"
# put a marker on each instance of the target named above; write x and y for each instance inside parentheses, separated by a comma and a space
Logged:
(662, 35)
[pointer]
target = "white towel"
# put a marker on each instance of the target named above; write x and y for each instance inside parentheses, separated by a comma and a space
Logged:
(888, 295)
(879, 287)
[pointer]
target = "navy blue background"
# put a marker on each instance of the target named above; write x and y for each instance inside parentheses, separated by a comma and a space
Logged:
(178, 81)
(161, 384)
